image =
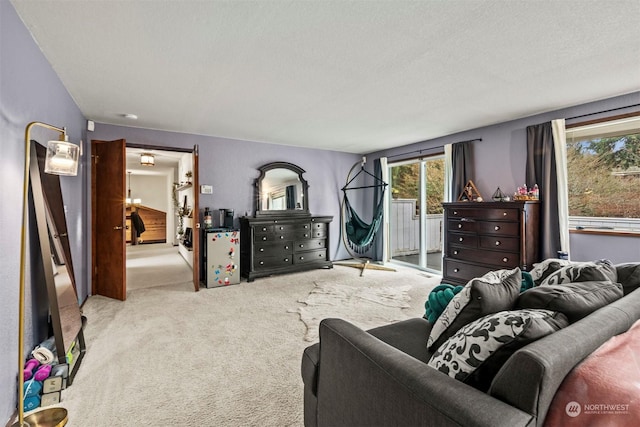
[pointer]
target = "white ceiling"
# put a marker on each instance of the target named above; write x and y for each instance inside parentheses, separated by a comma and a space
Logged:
(353, 76)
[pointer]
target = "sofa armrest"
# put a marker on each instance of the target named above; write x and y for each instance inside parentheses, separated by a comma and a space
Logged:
(363, 381)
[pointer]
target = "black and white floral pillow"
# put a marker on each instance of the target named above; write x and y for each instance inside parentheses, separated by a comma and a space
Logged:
(602, 270)
(493, 292)
(542, 270)
(478, 350)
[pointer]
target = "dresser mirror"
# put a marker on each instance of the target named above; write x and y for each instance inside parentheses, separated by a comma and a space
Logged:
(281, 190)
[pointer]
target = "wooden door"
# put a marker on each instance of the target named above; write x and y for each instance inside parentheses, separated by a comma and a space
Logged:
(108, 219)
(196, 222)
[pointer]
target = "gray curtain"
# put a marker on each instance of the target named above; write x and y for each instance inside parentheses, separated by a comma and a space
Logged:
(378, 192)
(541, 170)
(461, 161)
(291, 196)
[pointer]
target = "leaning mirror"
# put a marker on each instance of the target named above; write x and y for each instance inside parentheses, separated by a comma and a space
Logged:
(281, 190)
(66, 317)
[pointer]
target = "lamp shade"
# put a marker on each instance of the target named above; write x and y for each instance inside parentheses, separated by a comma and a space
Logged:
(147, 159)
(62, 158)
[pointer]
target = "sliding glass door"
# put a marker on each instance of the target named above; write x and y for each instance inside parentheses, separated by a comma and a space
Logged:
(415, 225)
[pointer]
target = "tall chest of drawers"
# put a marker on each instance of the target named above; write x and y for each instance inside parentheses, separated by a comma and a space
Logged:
(485, 236)
(276, 245)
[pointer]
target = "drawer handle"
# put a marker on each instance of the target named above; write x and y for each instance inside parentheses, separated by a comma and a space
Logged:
(286, 247)
(261, 262)
(320, 255)
(504, 214)
(455, 212)
(261, 249)
(455, 252)
(286, 260)
(496, 228)
(281, 228)
(264, 238)
(301, 258)
(264, 228)
(505, 259)
(497, 242)
(455, 270)
(281, 237)
(302, 246)
(459, 225)
(306, 226)
(460, 239)
(306, 235)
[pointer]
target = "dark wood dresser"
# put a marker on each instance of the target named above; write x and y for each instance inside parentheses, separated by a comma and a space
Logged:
(275, 245)
(485, 236)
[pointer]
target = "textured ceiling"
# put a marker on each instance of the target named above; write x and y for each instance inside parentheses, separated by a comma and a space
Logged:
(353, 76)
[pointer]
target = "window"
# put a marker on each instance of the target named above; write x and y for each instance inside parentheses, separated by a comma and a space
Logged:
(603, 169)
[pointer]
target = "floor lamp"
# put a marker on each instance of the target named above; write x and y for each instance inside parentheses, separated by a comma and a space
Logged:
(61, 159)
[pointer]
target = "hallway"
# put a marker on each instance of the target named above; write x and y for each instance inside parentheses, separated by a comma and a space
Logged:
(157, 264)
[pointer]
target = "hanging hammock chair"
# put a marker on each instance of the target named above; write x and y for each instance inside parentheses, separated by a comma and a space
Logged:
(359, 235)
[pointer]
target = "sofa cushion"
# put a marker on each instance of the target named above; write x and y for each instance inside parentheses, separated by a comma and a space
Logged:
(493, 292)
(478, 350)
(582, 272)
(574, 300)
(629, 276)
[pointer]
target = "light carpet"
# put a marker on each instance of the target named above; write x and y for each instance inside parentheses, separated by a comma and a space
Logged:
(227, 356)
(365, 307)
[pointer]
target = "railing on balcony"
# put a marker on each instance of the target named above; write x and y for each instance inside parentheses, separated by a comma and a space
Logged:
(405, 229)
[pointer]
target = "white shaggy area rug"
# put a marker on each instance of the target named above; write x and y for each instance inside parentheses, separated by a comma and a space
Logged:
(366, 307)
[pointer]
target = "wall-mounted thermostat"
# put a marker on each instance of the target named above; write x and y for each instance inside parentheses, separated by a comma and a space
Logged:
(206, 189)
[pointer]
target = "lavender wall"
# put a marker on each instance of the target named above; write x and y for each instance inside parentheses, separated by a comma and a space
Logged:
(29, 91)
(499, 161)
(230, 166)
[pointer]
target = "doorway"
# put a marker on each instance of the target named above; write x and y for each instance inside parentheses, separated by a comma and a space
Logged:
(416, 215)
(141, 191)
(154, 179)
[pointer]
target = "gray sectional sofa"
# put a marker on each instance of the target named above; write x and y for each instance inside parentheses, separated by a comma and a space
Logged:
(379, 377)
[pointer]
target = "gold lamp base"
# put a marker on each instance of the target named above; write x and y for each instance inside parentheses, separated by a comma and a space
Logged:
(50, 417)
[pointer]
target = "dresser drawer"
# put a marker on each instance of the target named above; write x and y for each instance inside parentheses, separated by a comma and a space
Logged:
(272, 237)
(460, 225)
(499, 228)
(272, 261)
(506, 214)
(460, 239)
(501, 243)
(497, 258)
(463, 271)
(271, 249)
(306, 245)
(310, 256)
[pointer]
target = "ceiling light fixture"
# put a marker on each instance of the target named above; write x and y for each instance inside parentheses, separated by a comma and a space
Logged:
(130, 116)
(147, 159)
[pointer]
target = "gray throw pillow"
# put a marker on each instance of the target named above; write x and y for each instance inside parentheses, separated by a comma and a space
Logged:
(478, 350)
(493, 292)
(574, 300)
(629, 276)
(602, 270)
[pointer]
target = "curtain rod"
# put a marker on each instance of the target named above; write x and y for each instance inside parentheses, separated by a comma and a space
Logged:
(439, 147)
(601, 112)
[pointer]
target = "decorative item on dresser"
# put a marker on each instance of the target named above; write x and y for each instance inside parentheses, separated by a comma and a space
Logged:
(481, 237)
(283, 245)
(283, 237)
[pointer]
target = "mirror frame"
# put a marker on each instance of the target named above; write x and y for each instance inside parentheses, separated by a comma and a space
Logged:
(282, 212)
